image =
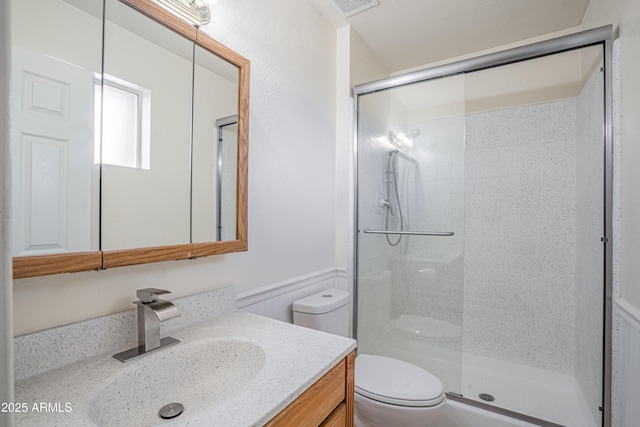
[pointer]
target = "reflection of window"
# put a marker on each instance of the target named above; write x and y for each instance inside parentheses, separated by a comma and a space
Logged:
(125, 123)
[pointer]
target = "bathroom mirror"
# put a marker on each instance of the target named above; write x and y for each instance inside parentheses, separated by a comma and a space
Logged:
(159, 199)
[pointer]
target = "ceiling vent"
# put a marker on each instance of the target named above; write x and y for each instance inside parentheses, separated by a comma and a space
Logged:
(349, 8)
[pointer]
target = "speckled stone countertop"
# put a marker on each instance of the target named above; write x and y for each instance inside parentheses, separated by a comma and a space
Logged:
(292, 358)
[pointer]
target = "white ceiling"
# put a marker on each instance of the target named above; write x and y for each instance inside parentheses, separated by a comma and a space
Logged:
(409, 33)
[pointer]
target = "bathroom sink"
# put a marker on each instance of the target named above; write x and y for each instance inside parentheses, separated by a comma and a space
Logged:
(198, 375)
(236, 370)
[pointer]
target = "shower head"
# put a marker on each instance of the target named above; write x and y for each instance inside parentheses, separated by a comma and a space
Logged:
(402, 141)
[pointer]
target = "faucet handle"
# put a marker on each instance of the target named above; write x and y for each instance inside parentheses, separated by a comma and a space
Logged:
(148, 295)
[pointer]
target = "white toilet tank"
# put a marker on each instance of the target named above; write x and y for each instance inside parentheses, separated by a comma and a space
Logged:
(326, 311)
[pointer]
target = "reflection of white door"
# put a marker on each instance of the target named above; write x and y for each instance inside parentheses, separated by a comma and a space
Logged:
(52, 122)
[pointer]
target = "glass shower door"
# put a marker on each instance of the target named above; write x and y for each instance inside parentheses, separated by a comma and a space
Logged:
(480, 223)
(410, 216)
(534, 257)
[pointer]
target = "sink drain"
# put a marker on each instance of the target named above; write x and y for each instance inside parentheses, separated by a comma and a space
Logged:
(171, 410)
(487, 397)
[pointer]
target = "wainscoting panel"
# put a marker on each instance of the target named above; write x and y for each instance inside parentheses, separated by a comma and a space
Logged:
(275, 300)
(628, 384)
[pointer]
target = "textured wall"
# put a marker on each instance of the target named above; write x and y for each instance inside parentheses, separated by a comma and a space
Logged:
(6, 297)
(520, 235)
(630, 37)
(625, 15)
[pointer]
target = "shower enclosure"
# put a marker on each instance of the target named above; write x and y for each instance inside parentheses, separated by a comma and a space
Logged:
(483, 201)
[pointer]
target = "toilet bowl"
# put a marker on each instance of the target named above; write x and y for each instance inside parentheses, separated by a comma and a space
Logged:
(388, 392)
(391, 392)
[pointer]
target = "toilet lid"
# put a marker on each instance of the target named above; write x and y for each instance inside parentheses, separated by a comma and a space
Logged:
(396, 382)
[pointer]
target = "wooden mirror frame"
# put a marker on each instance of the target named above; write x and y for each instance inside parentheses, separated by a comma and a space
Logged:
(31, 266)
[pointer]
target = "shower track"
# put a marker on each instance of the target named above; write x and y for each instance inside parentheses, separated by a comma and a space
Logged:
(501, 411)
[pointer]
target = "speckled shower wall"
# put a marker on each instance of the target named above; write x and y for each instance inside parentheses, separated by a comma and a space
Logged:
(520, 260)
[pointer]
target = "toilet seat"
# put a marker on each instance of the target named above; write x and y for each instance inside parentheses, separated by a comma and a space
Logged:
(396, 382)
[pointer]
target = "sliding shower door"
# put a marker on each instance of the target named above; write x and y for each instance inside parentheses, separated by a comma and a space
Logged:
(480, 251)
(410, 238)
(534, 257)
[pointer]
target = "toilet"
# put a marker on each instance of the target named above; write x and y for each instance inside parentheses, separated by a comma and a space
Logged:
(388, 392)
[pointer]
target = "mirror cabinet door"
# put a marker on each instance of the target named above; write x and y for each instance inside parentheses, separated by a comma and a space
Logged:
(146, 132)
(215, 147)
(56, 57)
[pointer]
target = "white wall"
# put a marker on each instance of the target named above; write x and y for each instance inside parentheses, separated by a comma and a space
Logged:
(291, 175)
(344, 159)
(365, 67)
(355, 64)
(625, 15)
(630, 45)
(6, 324)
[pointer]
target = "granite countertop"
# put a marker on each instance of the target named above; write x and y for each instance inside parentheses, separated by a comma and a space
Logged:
(293, 359)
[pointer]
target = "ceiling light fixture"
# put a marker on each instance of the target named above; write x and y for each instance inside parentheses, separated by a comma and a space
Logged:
(195, 11)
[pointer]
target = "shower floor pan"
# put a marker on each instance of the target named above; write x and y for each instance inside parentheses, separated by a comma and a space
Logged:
(538, 393)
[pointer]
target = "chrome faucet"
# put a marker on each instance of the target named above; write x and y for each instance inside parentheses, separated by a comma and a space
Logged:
(151, 311)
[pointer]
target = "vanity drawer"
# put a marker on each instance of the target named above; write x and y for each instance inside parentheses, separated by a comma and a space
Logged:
(326, 403)
(338, 417)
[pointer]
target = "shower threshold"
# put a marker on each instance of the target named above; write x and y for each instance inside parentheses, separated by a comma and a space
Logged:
(501, 411)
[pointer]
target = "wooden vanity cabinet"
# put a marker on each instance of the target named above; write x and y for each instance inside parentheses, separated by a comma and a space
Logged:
(327, 403)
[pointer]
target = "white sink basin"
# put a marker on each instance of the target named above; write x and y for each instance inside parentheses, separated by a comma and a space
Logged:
(236, 370)
(198, 375)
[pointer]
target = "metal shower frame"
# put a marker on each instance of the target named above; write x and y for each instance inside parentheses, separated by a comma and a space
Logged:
(598, 36)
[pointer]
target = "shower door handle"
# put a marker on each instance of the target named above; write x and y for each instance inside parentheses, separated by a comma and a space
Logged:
(411, 233)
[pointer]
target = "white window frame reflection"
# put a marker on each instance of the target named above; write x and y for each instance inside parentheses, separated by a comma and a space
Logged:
(113, 146)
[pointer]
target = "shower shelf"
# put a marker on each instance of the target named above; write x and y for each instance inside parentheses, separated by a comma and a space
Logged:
(410, 233)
